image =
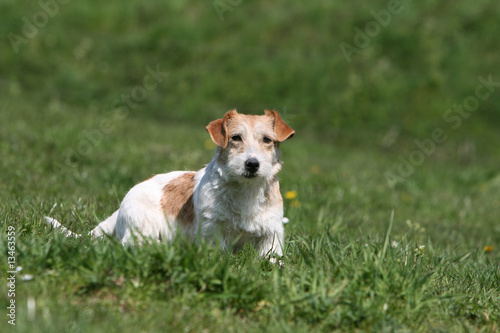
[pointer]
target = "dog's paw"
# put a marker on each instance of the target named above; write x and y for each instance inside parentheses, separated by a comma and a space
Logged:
(280, 262)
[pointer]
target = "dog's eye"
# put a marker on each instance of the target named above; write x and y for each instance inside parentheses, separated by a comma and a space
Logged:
(236, 138)
(267, 139)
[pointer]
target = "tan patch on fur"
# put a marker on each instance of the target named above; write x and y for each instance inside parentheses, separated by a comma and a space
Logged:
(220, 129)
(177, 200)
(273, 195)
(282, 130)
(250, 120)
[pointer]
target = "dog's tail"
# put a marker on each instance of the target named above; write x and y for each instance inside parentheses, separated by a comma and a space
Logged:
(56, 225)
(106, 227)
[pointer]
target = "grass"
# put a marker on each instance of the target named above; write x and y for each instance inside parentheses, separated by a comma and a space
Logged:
(363, 252)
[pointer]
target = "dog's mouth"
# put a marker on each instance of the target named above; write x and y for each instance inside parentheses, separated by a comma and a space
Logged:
(249, 174)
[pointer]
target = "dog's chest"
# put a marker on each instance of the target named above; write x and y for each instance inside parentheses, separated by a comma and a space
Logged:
(242, 210)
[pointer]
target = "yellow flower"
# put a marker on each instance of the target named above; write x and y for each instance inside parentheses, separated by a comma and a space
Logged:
(488, 248)
(295, 203)
(290, 195)
(262, 304)
(315, 169)
(406, 197)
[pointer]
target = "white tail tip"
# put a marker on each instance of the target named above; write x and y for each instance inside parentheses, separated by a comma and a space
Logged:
(56, 225)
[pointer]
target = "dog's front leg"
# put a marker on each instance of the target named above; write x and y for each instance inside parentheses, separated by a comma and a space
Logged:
(271, 246)
(273, 250)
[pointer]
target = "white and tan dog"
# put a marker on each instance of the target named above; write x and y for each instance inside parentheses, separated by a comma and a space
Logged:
(234, 200)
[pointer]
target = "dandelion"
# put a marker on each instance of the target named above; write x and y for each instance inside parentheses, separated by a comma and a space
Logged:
(406, 197)
(292, 195)
(315, 169)
(488, 249)
(260, 305)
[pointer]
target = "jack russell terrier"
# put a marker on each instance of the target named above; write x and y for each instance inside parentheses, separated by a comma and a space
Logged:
(234, 200)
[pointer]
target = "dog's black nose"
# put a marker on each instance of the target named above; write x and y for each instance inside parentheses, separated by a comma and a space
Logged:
(252, 165)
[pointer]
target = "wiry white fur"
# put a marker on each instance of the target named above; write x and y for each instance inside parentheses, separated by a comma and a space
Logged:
(228, 208)
(236, 212)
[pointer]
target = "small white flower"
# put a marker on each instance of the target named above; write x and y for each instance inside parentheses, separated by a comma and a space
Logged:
(27, 277)
(419, 251)
(19, 268)
(286, 220)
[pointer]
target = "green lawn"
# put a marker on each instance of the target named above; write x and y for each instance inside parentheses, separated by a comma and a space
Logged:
(392, 176)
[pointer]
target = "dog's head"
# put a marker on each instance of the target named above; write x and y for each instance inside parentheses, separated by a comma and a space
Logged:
(248, 144)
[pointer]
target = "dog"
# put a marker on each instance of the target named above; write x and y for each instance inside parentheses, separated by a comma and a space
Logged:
(232, 201)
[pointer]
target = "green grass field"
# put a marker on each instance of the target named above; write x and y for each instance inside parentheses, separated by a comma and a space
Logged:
(392, 178)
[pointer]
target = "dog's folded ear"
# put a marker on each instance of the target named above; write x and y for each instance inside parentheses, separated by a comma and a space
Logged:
(218, 129)
(282, 130)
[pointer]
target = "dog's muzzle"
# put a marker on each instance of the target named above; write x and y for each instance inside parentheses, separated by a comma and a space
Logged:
(251, 167)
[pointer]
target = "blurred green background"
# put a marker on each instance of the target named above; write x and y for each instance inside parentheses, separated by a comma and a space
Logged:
(96, 96)
(284, 55)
